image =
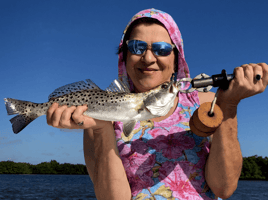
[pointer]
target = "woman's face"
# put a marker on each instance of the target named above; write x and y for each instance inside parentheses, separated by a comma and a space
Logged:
(147, 71)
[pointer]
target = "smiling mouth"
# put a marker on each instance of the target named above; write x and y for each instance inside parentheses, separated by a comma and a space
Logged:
(144, 70)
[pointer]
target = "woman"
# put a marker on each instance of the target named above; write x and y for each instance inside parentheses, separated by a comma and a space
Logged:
(162, 158)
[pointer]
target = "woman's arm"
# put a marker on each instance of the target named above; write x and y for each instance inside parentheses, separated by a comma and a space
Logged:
(224, 164)
(89, 151)
(104, 164)
(223, 167)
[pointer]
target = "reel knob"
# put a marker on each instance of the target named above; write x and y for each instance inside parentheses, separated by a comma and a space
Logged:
(202, 123)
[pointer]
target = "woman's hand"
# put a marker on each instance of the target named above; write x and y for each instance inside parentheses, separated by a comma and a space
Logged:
(244, 84)
(70, 117)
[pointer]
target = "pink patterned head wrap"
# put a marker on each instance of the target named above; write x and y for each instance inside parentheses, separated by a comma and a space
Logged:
(174, 33)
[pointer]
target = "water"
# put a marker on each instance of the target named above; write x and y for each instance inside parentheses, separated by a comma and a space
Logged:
(251, 190)
(56, 187)
(62, 187)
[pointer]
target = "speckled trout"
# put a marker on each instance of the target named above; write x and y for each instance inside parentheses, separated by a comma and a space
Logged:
(116, 103)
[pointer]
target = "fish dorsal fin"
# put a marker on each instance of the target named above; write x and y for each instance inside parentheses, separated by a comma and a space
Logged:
(128, 127)
(73, 87)
(118, 86)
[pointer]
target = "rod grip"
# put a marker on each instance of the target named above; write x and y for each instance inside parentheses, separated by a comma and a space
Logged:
(219, 80)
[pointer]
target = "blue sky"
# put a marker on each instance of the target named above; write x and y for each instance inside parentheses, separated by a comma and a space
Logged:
(47, 44)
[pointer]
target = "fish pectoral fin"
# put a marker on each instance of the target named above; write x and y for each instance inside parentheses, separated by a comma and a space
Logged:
(128, 127)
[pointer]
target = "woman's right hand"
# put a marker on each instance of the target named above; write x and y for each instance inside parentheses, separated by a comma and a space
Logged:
(69, 118)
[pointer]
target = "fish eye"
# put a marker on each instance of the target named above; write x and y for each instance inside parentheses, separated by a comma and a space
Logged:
(164, 86)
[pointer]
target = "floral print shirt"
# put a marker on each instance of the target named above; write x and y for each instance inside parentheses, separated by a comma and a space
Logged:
(165, 160)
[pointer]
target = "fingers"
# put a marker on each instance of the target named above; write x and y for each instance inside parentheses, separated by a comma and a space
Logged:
(264, 67)
(58, 116)
(65, 120)
(247, 73)
(245, 78)
(239, 74)
(63, 116)
(50, 112)
(77, 115)
(245, 83)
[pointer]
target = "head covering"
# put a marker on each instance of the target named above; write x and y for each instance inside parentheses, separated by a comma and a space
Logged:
(174, 33)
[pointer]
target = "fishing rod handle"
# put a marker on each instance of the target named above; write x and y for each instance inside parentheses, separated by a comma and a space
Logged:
(219, 80)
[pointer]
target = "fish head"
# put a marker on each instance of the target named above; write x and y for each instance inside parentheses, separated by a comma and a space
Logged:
(161, 99)
(167, 89)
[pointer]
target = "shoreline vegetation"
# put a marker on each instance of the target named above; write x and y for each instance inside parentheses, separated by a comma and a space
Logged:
(254, 168)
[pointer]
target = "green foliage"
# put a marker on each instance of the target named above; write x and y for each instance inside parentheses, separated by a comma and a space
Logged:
(254, 168)
(52, 167)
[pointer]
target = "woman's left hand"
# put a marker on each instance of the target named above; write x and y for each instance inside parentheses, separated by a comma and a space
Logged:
(245, 84)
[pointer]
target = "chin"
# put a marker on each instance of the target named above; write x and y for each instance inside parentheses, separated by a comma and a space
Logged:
(143, 87)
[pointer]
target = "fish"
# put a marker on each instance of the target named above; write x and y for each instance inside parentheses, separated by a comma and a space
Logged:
(115, 103)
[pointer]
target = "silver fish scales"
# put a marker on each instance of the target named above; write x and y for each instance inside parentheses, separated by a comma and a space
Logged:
(116, 103)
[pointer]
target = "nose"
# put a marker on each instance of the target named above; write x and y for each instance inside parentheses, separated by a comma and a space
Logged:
(148, 56)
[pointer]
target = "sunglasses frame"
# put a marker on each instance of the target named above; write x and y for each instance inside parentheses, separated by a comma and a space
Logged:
(150, 47)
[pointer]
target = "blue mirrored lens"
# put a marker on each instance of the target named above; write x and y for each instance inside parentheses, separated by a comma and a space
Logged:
(137, 46)
(161, 48)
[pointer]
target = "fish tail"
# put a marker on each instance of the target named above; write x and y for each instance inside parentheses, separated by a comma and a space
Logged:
(27, 112)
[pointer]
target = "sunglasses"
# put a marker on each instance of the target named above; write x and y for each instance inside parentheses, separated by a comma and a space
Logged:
(138, 47)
